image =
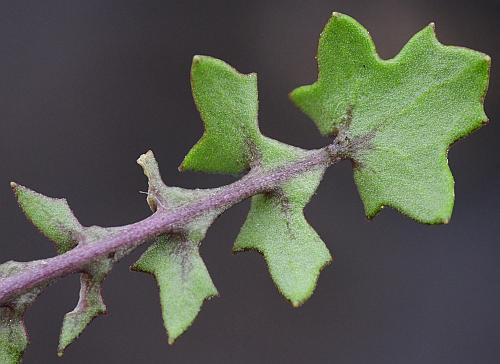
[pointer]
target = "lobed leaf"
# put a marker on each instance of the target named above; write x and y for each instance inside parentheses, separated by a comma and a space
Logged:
(227, 102)
(403, 113)
(54, 218)
(232, 143)
(173, 259)
(182, 278)
(276, 227)
(90, 302)
(90, 305)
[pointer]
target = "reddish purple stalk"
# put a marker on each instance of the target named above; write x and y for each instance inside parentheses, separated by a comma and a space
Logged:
(162, 222)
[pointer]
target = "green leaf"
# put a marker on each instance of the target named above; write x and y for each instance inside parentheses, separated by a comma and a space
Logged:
(54, 218)
(232, 143)
(182, 278)
(174, 259)
(400, 115)
(276, 227)
(227, 102)
(13, 335)
(90, 303)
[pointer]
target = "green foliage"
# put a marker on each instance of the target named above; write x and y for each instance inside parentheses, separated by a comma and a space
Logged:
(90, 303)
(174, 259)
(182, 278)
(227, 102)
(13, 335)
(405, 112)
(275, 226)
(395, 119)
(54, 218)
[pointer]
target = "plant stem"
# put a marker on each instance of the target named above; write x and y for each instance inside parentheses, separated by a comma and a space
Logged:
(161, 222)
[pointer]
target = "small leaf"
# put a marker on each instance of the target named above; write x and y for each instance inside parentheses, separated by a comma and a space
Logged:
(90, 303)
(174, 259)
(400, 114)
(52, 216)
(276, 227)
(182, 277)
(13, 335)
(227, 102)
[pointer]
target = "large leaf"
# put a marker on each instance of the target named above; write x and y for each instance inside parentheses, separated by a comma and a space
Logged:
(402, 114)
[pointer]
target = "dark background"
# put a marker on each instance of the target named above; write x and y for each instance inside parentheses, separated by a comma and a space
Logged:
(87, 86)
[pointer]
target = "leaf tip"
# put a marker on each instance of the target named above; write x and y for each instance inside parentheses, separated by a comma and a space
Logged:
(444, 217)
(372, 211)
(137, 268)
(13, 185)
(171, 340)
(439, 220)
(197, 58)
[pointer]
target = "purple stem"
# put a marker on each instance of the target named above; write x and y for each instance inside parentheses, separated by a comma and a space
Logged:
(162, 222)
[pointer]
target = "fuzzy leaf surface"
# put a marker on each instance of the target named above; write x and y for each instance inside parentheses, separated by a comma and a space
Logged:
(90, 302)
(227, 102)
(173, 258)
(54, 218)
(13, 334)
(232, 143)
(183, 280)
(276, 227)
(404, 112)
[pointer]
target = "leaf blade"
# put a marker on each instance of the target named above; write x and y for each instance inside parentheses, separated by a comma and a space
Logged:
(227, 102)
(409, 110)
(13, 334)
(55, 219)
(276, 228)
(52, 216)
(182, 278)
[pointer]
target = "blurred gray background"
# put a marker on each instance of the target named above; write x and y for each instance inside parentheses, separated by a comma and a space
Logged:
(87, 86)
